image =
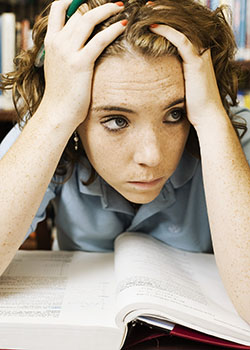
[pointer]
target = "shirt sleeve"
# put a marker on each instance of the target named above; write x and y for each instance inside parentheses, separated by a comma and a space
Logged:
(50, 193)
(9, 139)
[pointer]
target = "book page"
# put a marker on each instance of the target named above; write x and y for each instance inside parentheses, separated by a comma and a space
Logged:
(182, 286)
(58, 288)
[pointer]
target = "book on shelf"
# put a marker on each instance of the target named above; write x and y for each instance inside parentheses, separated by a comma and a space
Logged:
(248, 30)
(239, 27)
(244, 98)
(14, 37)
(240, 23)
(8, 51)
(87, 300)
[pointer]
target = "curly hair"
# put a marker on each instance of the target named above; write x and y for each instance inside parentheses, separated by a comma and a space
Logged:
(206, 29)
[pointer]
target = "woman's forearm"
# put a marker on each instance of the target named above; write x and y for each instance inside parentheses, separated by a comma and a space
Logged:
(226, 176)
(25, 172)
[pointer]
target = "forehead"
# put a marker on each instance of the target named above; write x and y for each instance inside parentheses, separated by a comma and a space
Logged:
(132, 79)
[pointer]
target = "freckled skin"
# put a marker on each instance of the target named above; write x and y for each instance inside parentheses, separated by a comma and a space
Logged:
(147, 148)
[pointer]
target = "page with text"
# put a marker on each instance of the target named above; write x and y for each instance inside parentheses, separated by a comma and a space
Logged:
(58, 287)
(154, 278)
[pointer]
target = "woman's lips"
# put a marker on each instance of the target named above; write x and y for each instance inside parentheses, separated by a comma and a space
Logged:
(146, 184)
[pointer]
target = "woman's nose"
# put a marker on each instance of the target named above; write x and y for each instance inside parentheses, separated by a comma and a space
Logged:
(147, 150)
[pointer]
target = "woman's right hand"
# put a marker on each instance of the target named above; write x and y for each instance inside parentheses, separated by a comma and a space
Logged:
(69, 62)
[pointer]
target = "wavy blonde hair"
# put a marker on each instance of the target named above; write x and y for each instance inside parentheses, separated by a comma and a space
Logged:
(203, 27)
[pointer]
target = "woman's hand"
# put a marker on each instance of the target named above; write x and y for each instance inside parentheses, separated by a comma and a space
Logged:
(69, 62)
(202, 93)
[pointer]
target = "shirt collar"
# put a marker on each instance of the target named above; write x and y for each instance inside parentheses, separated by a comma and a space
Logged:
(83, 171)
(110, 198)
(185, 170)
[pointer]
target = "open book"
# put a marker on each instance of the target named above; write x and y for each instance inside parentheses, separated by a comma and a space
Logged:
(79, 300)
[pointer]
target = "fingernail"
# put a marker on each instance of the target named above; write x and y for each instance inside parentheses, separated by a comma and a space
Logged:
(119, 3)
(154, 25)
(124, 22)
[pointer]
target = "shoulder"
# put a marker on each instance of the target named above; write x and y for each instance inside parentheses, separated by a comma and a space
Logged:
(240, 111)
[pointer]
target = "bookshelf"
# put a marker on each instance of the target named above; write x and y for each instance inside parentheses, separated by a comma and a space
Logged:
(25, 12)
(240, 22)
(24, 9)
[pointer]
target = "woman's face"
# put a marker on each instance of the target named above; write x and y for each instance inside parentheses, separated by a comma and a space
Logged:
(136, 129)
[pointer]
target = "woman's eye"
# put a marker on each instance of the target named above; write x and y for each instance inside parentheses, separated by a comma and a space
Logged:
(175, 115)
(115, 123)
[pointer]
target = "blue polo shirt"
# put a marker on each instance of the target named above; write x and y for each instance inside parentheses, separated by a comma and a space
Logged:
(91, 217)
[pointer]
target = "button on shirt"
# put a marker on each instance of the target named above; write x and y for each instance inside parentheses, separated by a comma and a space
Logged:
(91, 217)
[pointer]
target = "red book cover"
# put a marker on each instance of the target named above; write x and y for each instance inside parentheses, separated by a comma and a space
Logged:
(139, 332)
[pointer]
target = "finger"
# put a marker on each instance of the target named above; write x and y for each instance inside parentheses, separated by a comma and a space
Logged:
(101, 40)
(185, 48)
(80, 27)
(57, 15)
(84, 8)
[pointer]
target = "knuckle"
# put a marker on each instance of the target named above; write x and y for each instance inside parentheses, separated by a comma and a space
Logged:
(89, 15)
(55, 5)
(101, 41)
(88, 18)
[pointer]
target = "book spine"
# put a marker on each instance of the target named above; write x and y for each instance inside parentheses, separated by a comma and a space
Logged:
(18, 37)
(8, 41)
(239, 26)
(244, 98)
(247, 100)
(25, 30)
(8, 49)
(214, 4)
(243, 26)
(248, 31)
(1, 93)
(227, 2)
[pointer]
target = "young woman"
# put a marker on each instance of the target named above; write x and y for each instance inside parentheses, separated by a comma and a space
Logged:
(131, 124)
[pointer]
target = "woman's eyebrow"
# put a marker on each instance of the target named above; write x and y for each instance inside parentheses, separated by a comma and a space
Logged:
(176, 102)
(110, 108)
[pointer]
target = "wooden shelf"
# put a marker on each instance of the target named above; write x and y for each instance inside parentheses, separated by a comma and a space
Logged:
(7, 115)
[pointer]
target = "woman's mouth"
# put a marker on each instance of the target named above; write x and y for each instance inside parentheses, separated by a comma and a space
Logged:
(147, 184)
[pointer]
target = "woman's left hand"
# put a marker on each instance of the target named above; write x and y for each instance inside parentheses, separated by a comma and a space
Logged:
(225, 170)
(202, 94)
